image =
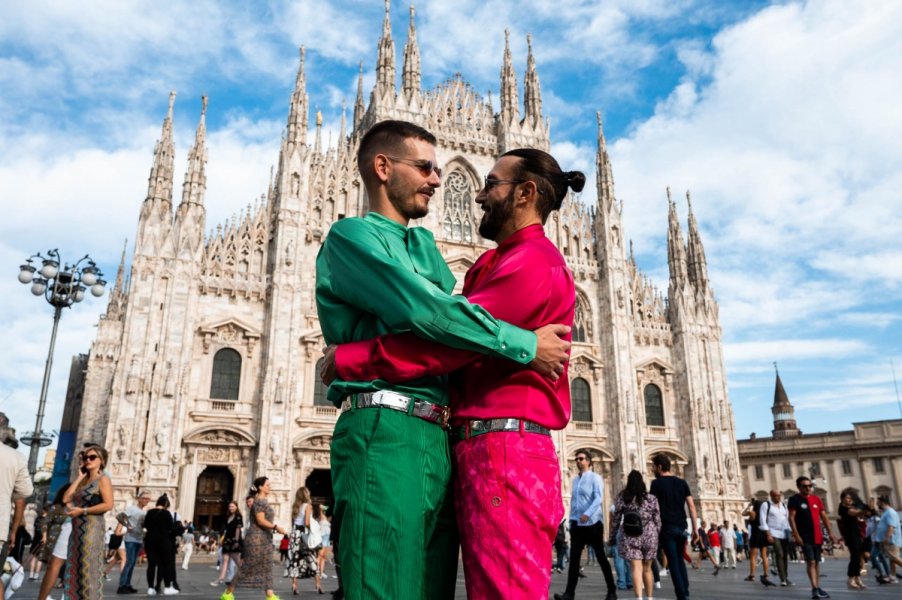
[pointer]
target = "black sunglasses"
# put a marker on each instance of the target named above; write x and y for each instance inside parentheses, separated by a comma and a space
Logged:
(490, 183)
(426, 167)
(89, 457)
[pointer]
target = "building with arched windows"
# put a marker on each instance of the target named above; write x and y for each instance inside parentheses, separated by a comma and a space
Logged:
(865, 458)
(203, 374)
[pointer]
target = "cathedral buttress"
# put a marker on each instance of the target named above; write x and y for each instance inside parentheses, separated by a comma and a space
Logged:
(155, 220)
(410, 79)
(532, 91)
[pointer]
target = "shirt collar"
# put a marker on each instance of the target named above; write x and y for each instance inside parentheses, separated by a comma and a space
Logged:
(386, 223)
(529, 232)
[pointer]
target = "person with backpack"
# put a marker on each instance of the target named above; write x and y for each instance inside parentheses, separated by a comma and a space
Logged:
(635, 526)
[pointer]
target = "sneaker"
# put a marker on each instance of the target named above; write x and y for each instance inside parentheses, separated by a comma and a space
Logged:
(216, 583)
(170, 591)
(819, 593)
(664, 573)
(151, 592)
(227, 595)
(657, 585)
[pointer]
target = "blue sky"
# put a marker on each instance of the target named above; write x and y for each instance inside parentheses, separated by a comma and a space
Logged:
(781, 118)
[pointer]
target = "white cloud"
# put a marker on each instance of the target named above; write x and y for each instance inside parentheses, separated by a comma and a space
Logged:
(791, 349)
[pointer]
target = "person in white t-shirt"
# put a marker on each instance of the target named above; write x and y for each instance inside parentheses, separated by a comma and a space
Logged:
(773, 521)
(728, 543)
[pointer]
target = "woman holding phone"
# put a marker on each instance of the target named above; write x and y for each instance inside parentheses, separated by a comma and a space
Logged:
(87, 499)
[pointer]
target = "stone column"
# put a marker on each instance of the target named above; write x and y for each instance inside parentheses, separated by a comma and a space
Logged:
(866, 491)
(895, 466)
(188, 484)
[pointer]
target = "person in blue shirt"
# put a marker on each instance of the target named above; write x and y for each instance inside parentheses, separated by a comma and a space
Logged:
(888, 534)
(587, 526)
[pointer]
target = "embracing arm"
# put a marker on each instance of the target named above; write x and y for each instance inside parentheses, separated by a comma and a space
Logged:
(402, 357)
(405, 300)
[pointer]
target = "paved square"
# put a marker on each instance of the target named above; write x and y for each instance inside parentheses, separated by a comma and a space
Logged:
(728, 585)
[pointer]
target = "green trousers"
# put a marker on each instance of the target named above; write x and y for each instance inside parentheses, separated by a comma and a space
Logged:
(391, 477)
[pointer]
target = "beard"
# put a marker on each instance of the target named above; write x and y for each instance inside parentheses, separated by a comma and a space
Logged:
(403, 197)
(495, 216)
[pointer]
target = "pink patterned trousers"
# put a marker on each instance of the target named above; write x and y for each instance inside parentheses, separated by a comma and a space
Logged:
(507, 495)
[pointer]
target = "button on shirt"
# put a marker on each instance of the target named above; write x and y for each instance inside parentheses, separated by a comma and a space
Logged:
(375, 276)
(774, 519)
(586, 499)
(525, 282)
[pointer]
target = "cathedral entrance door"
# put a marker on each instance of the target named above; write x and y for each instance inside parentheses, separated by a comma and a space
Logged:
(319, 482)
(214, 491)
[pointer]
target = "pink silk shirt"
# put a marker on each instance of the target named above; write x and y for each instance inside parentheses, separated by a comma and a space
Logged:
(524, 281)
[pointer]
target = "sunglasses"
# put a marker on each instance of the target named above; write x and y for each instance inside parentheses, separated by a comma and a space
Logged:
(89, 457)
(806, 486)
(426, 167)
(581, 458)
(490, 183)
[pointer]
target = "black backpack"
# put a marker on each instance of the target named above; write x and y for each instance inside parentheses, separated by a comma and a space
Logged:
(632, 523)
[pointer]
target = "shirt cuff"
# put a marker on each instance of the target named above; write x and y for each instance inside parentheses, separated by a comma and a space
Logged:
(351, 361)
(518, 345)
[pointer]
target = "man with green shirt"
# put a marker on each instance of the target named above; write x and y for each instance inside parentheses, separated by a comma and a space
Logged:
(390, 457)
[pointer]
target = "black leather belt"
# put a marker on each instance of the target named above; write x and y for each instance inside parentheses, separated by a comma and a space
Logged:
(427, 411)
(475, 427)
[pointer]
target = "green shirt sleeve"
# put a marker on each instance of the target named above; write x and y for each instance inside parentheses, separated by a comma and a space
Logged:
(365, 273)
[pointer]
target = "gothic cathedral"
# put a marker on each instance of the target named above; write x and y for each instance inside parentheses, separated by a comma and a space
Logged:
(203, 374)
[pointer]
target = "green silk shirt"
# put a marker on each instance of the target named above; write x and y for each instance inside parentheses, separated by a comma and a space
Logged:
(375, 276)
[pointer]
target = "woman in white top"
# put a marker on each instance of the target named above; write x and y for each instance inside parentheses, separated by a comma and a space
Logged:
(301, 556)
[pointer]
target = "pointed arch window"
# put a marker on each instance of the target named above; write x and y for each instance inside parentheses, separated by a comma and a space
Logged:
(580, 401)
(580, 321)
(457, 223)
(654, 406)
(226, 378)
(319, 389)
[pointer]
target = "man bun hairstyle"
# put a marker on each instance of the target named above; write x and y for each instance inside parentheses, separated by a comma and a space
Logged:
(551, 182)
(387, 137)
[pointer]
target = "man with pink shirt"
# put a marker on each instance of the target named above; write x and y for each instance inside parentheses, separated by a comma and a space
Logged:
(507, 476)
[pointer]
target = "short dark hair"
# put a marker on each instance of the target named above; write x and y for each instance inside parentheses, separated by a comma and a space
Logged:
(800, 479)
(585, 452)
(551, 182)
(884, 500)
(386, 137)
(661, 460)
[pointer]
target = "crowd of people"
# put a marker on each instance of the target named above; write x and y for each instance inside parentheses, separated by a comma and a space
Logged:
(649, 533)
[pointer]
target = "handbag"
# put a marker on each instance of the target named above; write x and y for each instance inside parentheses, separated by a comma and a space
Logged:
(312, 536)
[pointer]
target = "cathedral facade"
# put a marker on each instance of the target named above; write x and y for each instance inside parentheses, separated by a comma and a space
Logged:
(203, 374)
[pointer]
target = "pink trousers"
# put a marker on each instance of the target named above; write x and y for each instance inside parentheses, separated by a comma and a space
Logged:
(507, 495)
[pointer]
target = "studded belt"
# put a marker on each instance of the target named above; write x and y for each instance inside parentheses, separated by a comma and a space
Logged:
(427, 411)
(475, 427)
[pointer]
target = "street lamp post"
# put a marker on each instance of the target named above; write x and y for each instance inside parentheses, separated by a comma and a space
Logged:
(61, 288)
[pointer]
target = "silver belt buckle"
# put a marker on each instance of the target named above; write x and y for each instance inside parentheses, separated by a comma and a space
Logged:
(391, 400)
